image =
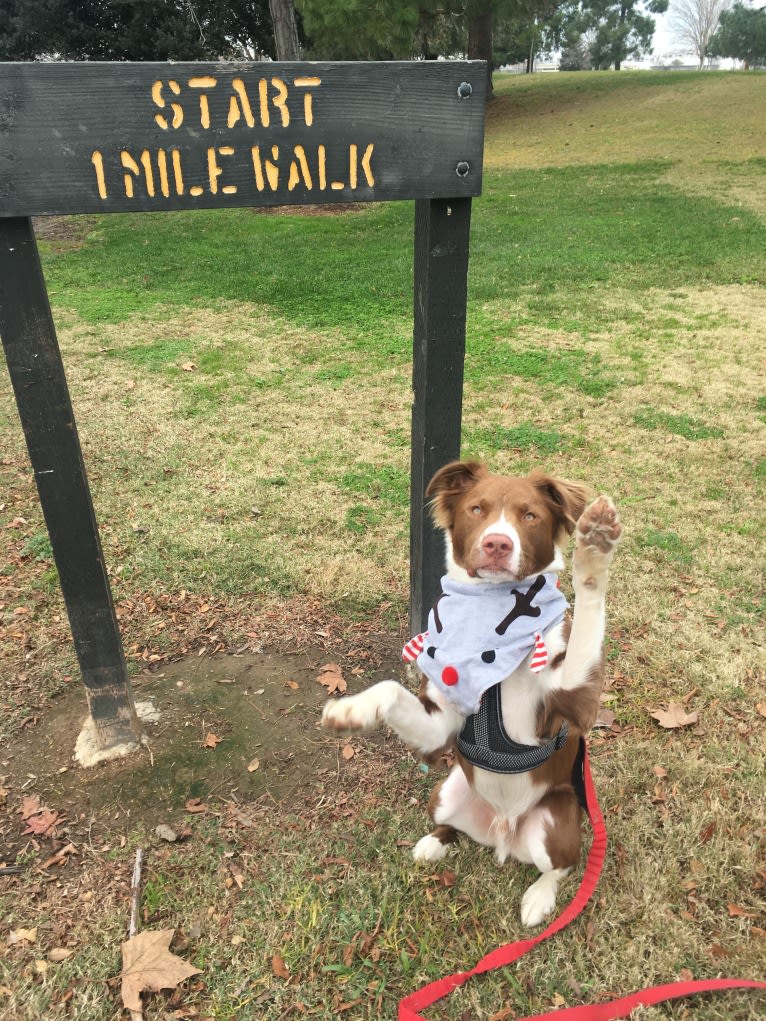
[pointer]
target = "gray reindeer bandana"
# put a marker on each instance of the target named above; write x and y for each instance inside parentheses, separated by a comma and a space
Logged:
(478, 634)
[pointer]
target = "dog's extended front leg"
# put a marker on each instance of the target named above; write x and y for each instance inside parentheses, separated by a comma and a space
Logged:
(598, 533)
(424, 727)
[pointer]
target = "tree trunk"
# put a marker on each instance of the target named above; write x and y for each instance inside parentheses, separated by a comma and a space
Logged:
(480, 43)
(285, 29)
(531, 57)
(623, 15)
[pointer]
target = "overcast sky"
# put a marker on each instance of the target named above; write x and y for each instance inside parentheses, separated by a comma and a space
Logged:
(663, 39)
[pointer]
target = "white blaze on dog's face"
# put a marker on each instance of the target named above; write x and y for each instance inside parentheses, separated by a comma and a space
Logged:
(499, 528)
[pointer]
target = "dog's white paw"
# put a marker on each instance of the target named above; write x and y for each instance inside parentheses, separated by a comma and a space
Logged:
(429, 848)
(355, 712)
(540, 900)
(598, 527)
(363, 711)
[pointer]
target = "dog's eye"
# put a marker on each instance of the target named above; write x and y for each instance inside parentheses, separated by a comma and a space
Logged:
(476, 509)
(529, 516)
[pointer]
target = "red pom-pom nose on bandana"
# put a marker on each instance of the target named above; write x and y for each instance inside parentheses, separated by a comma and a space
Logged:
(450, 676)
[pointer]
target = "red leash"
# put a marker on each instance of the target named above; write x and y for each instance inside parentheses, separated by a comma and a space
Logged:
(505, 955)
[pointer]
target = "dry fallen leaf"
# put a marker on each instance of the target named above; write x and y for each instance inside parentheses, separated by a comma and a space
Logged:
(195, 806)
(237, 874)
(674, 716)
(43, 823)
(148, 964)
(331, 676)
(30, 805)
(504, 1014)
(60, 856)
(211, 741)
(59, 954)
(705, 835)
(253, 765)
(279, 967)
(22, 936)
(717, 951)
(735, 911)
(761, 708)
(348, 752)
(189, 366)
(605, 719)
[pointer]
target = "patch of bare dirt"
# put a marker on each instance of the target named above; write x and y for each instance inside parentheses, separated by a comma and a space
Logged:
(326, 209)
(231, 729)
(65, 232)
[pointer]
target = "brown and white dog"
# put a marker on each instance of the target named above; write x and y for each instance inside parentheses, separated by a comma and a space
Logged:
(498, 531)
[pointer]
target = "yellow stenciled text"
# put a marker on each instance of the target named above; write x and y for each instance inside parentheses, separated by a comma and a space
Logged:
(224, 170)
(267, 102)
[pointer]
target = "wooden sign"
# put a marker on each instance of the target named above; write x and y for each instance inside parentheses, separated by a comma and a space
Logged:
(107, 138)
(90, 138)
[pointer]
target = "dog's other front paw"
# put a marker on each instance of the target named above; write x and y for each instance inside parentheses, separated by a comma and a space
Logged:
(599, 528)
(346, 714)
(360, 712)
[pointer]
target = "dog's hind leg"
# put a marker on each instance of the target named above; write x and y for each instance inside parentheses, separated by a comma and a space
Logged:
(456, 808)
(548, 837)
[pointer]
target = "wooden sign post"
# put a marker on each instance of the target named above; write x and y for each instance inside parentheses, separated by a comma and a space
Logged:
(101, 138)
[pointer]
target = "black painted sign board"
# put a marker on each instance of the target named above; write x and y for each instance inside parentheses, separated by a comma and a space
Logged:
(107, 138)
(120, 137)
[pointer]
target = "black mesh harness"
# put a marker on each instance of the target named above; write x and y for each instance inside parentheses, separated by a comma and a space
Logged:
(483, 741)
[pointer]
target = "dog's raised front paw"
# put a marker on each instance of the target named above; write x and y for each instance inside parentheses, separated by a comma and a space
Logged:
(599, 528)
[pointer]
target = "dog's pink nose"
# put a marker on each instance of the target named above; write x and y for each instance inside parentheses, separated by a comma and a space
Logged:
(496, 545)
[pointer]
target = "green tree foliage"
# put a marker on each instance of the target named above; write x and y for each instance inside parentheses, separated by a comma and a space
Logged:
(498, 31)
(401, 29)
(134, 29)
(381, 29)
(741, 34)
(519, 31)
(604, 33)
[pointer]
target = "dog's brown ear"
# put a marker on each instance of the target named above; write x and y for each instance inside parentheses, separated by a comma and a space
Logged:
(448, 485)
(566, 499)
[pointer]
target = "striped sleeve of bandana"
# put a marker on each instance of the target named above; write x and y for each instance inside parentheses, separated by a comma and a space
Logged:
(414, 647)
(539, 660)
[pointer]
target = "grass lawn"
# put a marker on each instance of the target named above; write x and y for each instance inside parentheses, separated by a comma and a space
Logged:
(241, 382)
